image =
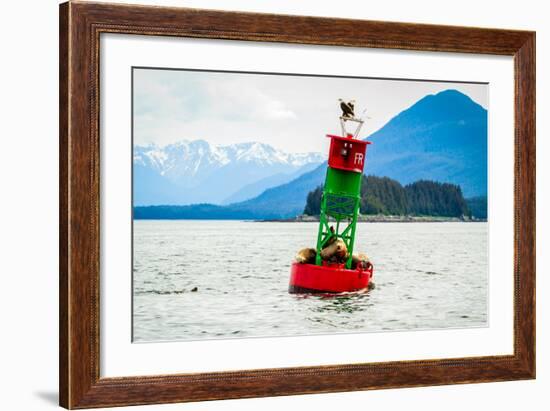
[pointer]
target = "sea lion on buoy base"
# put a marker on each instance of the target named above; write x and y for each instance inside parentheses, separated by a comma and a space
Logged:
(335, 251)
(306, 256)
(360, 261)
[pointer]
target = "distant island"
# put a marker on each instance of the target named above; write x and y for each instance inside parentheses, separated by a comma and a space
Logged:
(382, 199)
(383, 196)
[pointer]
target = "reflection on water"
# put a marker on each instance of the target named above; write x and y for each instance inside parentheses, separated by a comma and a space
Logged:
(227, 279)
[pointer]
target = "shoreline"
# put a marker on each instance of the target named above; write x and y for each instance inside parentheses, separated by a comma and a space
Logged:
(380, 218)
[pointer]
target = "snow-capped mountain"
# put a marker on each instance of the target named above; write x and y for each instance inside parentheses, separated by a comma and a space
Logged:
(196, 171)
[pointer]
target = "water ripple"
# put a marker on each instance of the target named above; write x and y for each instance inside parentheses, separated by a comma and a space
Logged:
(427, 276)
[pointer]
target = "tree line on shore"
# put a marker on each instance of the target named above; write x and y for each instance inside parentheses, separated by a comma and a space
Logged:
(382, 195)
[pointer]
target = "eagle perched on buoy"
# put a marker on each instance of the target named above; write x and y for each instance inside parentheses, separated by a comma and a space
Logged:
(348, 109)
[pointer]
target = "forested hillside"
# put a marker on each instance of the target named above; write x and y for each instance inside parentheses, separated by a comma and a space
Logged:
(382, 195)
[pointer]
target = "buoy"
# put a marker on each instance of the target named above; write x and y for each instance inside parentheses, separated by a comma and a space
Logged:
(340, 202)
(330, 278)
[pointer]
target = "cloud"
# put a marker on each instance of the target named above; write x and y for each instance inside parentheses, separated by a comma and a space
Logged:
(292, 113)
(176, 105)
(239, 100)
(276, 110)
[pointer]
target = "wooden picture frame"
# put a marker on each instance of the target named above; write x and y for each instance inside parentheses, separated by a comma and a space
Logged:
(80, 27)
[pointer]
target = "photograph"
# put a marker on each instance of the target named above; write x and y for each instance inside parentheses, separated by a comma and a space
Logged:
(284, 204)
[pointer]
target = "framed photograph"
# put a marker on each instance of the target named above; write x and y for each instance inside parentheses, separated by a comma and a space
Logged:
(259, 205)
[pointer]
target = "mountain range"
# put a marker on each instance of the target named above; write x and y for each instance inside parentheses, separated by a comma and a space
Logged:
(190, 172)
(442, 137)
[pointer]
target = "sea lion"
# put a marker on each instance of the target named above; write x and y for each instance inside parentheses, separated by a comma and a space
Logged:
(334, 251)
(360, 261)
(306, 256)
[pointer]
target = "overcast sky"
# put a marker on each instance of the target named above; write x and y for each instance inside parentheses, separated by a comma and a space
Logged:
(292, 113)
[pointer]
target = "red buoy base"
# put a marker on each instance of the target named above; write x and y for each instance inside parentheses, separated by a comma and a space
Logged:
(334, 278)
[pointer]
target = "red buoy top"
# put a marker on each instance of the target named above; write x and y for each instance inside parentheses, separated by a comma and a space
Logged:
(347, 153)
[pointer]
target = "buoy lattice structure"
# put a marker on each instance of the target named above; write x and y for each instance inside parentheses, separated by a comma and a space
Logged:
(340, 204)
(342, 193)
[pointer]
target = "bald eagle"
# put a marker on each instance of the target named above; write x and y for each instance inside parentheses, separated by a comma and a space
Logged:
(347, 108)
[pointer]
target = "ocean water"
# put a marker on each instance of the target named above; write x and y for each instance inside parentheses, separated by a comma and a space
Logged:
(427, 276)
